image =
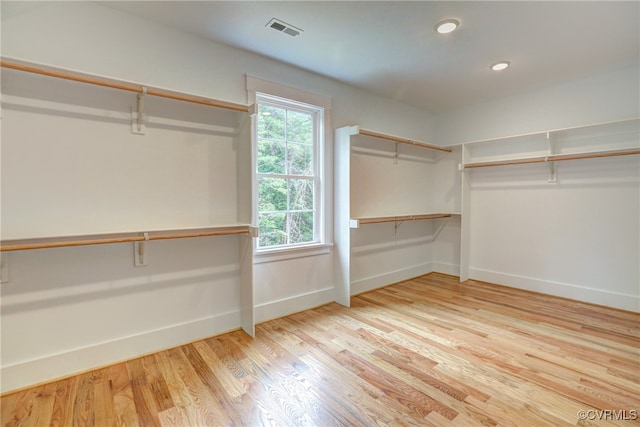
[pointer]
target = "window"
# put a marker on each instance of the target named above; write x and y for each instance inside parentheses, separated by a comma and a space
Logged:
(288, 166)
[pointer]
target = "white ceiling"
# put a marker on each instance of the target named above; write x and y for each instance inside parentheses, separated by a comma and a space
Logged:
(391, 48)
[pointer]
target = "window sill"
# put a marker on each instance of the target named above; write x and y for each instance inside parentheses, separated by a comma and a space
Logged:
(281, 254)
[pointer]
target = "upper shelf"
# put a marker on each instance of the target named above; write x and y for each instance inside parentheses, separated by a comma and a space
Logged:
(356, 130)
(552, 158)
(124, 237)
(121, 85)
(610, 139)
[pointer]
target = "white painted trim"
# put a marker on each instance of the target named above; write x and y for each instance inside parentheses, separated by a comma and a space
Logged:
(446, 268)
(295, 304)
(48, 368)
(565, 290)
(378, 281)
(255, 84)
(290, 252)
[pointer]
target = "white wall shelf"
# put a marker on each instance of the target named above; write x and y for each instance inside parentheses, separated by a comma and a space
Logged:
(58, 73)
(608, 139)
(124, 237)
(356, 130)
(553, 158)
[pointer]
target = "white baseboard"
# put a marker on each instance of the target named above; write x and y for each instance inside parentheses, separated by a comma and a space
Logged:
(565, 290)
(295, 304)
(446, 268)
(48, 368)
(374, 282)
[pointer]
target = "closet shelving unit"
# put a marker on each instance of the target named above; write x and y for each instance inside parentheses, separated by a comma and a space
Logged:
(594, 141)
(121, 237)
(554, 145)
(242, 117)
(345, 220)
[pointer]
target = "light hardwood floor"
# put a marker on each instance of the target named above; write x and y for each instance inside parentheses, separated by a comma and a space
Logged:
(428, 351)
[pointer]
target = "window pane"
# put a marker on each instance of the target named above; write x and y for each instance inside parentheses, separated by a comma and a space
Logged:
(271, 155)
(300, 159)
(301, 194)
(272, 229)
(300, 227)
(272, 194)
(271, 122)
(299, 127)
(287, 181)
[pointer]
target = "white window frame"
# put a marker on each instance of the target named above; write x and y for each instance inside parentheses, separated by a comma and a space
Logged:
(323, 154)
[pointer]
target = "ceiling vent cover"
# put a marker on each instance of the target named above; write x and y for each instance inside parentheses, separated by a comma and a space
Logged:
(283, 27)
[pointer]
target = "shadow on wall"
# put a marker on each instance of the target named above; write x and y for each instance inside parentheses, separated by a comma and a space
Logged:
(66, 276)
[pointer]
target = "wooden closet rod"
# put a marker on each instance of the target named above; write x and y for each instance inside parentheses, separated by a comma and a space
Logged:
(402, 218)
(555, 158)
(402, 140)
(125, 86)
(51, 243)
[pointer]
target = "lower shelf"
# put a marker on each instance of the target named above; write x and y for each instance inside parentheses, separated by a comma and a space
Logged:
(356, 222)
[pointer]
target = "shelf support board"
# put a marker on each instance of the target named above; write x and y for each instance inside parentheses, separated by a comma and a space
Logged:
(140, 251)
(553, 176)
(137, 126)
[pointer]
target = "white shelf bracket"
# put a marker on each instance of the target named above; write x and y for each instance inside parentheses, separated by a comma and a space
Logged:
(251, 114)
(254, 231)
(137, 126)
(4, 268)
(140, 251)
(397, 225)
(553, 176)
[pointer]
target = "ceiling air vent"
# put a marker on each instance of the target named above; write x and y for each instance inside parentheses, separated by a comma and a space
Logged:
(283, 27)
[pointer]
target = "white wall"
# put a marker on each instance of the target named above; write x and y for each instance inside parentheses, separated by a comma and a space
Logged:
(577, 238)
(70, 309)
(606, 97)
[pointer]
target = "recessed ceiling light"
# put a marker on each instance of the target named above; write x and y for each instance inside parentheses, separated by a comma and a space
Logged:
(447, 26)
(499, 66)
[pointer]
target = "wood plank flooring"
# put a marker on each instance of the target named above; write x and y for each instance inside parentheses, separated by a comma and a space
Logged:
(425, 352)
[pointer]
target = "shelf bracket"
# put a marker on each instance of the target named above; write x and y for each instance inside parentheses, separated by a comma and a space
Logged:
(140, 251)
(4, 267)
(395, 159)
(396, 225)
(137, 126)
(553, 176)
(251, 114)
